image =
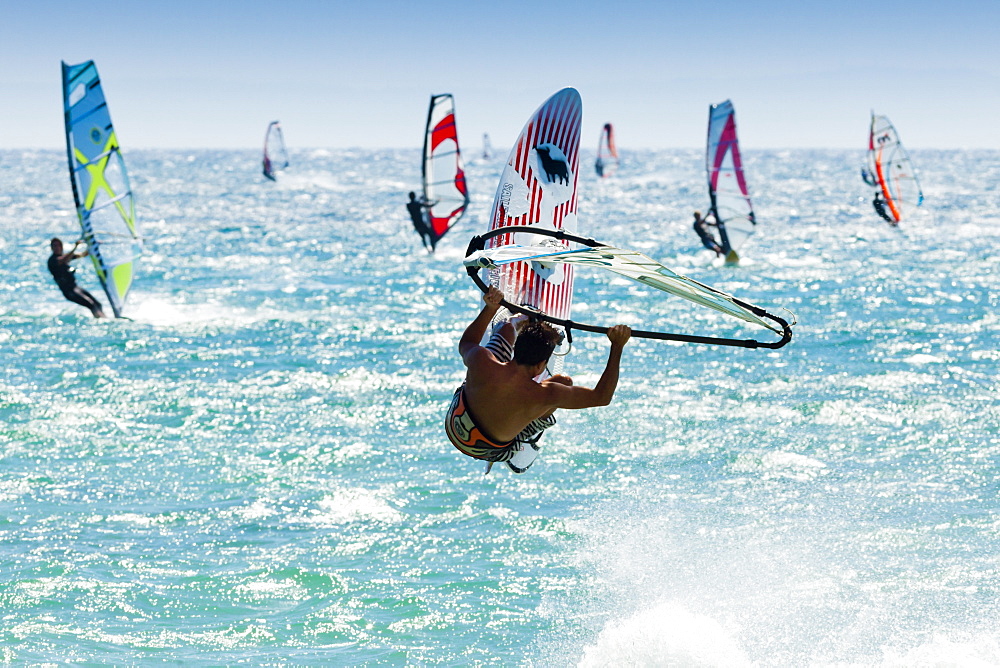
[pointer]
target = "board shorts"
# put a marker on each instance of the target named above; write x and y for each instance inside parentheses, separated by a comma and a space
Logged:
(471, 440)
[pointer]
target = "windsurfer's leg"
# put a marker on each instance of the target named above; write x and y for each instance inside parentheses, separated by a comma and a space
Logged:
(74, 296)
(425, 231)
(420, 225)
(84, 298)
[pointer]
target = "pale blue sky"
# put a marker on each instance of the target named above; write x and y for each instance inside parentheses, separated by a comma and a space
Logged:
(203, 73)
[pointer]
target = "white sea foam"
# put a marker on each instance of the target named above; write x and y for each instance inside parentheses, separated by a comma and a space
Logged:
(353, 505)
(976, 652)
(666, 635)
(789, 465)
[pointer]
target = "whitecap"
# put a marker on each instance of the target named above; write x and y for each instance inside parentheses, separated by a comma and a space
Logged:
(666, 635)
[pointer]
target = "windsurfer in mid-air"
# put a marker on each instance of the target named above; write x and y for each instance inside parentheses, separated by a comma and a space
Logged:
(879, 204)
(511, 409)
(416, 207)
(63, 274)
(701, 226)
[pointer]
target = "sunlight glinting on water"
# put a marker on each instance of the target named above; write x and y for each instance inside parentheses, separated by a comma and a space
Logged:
(254, 469)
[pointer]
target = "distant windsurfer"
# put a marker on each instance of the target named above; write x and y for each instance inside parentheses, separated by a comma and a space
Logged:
(701, 226)
(879, 204)
(63, 274)
(511, 409)
(417, 208)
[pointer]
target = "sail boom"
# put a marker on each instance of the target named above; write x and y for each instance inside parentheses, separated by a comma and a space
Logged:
(630, 264)
(626, 263)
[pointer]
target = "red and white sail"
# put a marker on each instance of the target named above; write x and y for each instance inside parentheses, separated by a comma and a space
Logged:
(443, 173)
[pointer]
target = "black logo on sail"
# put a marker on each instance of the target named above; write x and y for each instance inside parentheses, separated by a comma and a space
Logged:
(554, 167)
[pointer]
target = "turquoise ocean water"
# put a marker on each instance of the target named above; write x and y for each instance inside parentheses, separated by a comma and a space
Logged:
(254, 469)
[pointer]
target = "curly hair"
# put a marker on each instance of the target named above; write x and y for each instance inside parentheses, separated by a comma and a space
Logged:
(535, 343)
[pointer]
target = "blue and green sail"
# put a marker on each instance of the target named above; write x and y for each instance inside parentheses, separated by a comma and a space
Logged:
(104, 201)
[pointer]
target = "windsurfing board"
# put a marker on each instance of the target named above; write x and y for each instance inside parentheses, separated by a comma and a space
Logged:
(538, 186)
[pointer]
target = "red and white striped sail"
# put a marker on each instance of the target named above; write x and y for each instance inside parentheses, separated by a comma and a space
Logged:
(539, 187)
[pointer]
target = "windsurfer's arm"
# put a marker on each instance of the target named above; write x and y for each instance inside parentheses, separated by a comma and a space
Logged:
(469, 343)
(66, 258)
(565, 396)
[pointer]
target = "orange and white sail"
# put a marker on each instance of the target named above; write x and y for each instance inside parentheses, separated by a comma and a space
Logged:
(891, 173)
